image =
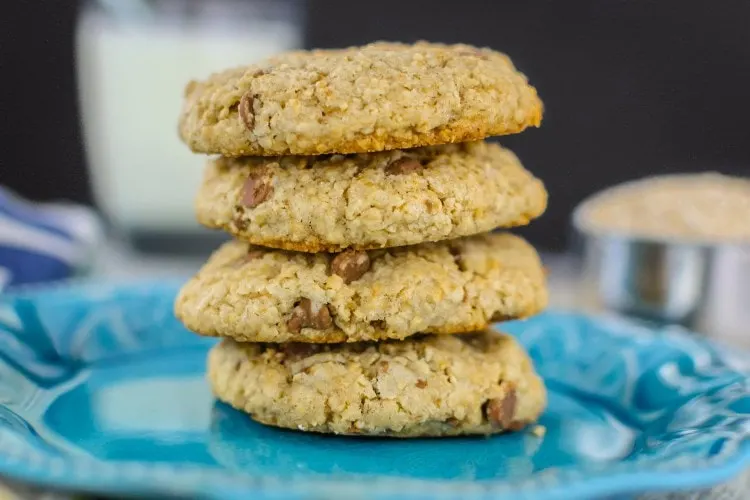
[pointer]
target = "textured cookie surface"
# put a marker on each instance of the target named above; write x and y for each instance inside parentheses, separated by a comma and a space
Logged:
(432, 385)
(260, 295)
(373, 98)
(376, 200)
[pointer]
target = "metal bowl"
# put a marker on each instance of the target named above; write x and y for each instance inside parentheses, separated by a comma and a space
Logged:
(704, 286)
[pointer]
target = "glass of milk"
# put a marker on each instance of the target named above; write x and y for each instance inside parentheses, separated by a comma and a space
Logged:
(134, 58)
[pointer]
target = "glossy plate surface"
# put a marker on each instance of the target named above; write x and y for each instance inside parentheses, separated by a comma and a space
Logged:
(102, 390)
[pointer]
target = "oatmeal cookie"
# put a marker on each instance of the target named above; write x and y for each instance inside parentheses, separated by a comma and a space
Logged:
(431, 385)
(378, 97)
(378, 200)
(256, 294)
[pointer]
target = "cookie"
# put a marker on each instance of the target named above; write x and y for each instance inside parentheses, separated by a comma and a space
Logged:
(254, 294)
(377, 200)
(378, 97)
(431, 385)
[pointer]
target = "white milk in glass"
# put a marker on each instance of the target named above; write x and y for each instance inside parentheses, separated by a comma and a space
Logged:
(131, 81)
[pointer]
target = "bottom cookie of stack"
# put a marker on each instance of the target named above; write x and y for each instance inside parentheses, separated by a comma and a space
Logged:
(429, 385)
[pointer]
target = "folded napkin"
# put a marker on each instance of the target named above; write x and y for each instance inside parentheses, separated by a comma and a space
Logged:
(42, 242)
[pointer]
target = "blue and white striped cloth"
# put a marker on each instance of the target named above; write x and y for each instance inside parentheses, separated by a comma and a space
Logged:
(44, 242)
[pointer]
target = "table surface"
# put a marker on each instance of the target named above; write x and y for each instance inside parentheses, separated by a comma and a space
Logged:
(118, 263)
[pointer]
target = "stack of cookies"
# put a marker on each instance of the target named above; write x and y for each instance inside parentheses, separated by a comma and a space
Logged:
(357, 295)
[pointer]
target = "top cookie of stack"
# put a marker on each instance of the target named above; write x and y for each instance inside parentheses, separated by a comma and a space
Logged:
(350, 109)
(378, 97)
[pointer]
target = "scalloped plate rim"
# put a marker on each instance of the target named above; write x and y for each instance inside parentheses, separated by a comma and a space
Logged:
(704, 473)
(148, 479)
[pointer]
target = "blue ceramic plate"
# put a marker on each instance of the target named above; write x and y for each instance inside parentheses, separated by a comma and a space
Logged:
(102, 390)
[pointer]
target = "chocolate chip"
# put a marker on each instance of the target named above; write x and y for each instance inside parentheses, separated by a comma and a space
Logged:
(300, 349)
(256, 190)
(499, 411)
(254, 253)
(403, 166)
(384, 366)
(350, 265)
(322, 320)
(457, 257)
(477, 341)
(246, 111)
(379, 324)
(500, 317)
(421, 383)
(240, 223)
(294, 324)
(303, 316)
(516, 425)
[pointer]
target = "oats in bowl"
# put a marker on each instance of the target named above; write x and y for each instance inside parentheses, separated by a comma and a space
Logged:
(696, 207)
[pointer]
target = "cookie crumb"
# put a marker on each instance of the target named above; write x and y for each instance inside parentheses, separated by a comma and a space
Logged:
(538, 430)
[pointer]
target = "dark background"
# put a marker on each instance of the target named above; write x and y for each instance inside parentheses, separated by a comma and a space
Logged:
(631, 88)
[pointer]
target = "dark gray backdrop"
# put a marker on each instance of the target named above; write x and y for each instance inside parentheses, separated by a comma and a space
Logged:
(631, 87)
